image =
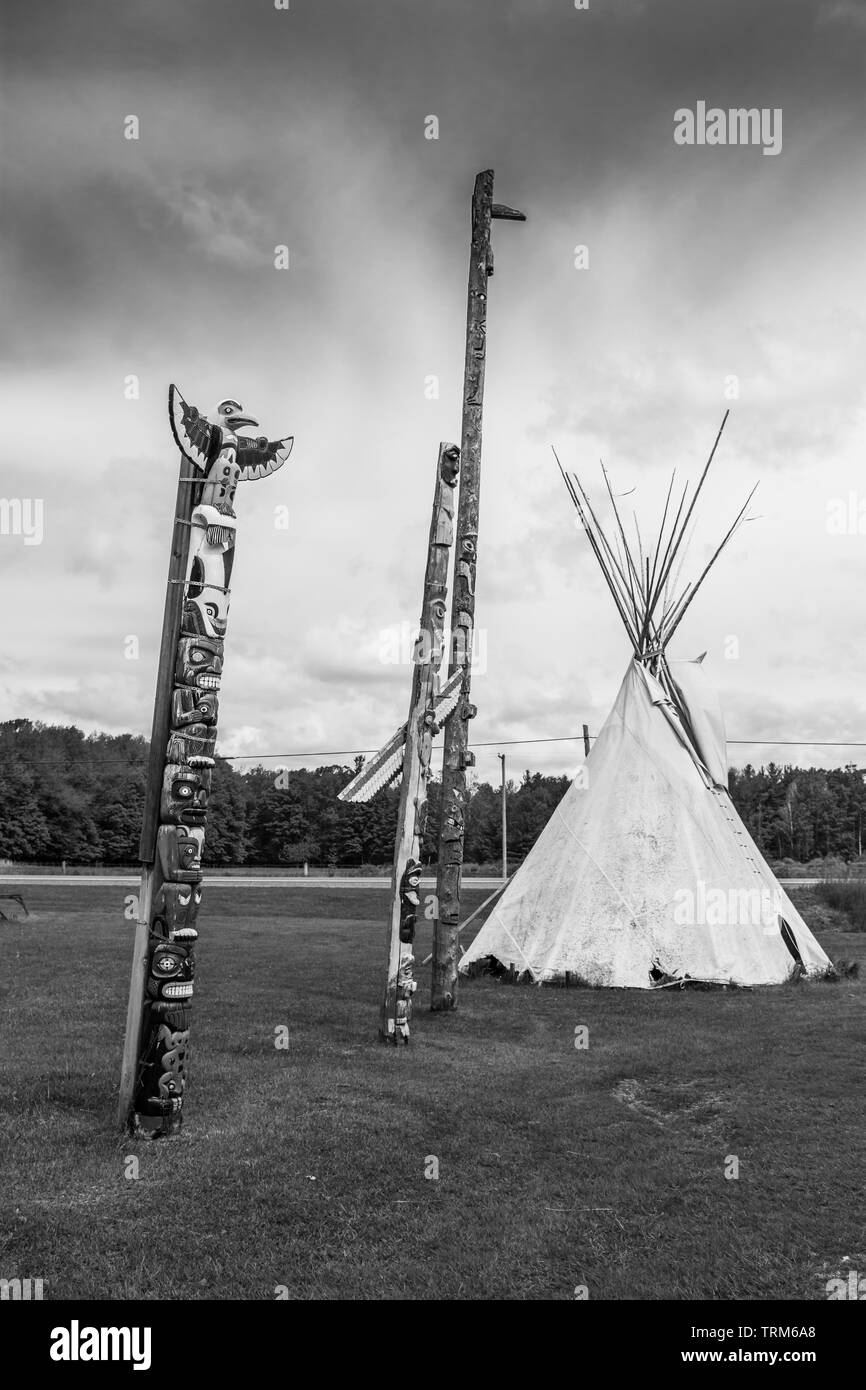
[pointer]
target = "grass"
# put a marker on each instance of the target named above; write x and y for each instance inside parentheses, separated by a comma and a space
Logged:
(847, 898)
(304, 1168)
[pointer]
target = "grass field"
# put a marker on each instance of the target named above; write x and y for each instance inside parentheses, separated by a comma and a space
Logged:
(305, 1168)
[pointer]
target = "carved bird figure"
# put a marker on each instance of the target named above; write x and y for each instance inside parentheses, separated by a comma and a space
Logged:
(213, 446)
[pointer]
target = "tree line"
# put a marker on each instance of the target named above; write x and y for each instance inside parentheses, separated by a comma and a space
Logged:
(66, 795)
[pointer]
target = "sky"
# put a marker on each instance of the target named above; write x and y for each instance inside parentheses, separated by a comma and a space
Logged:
(717, 277)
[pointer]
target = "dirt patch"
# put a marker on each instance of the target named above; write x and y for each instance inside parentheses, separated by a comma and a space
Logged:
(677, 1103)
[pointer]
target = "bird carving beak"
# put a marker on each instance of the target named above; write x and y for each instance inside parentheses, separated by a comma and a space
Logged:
(239, 422)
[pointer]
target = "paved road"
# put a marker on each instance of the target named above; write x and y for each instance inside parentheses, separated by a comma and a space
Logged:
(217, 880)
(280, 881)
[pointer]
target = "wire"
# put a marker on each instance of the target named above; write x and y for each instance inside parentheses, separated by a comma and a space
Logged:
(491, 743)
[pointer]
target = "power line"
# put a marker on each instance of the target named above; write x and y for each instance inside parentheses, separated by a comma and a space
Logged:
(491, 743)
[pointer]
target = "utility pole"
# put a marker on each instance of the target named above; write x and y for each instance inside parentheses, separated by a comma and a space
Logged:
(501, 757)
(457, 757)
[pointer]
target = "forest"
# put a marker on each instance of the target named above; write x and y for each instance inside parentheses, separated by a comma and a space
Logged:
(68, 796)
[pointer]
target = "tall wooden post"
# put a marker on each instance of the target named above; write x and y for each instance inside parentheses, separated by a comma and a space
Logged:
(457, 756)
(174, 595)
(400, 984)
(214, 459)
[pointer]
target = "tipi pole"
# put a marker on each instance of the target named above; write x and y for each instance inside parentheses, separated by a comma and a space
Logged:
(400, 983)
(457, 756)
(174, 594)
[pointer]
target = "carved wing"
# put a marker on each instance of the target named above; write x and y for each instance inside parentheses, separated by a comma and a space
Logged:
(258, 457)
(447, 699)
(378, 772)
(194, 436)
(388, 762)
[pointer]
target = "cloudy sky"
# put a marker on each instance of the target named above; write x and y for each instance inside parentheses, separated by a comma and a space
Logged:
(306, 127)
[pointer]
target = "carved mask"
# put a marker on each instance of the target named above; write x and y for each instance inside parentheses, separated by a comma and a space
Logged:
(179, 850)
(199, 662)
(185, 792)
(189, 706)
(170, 971)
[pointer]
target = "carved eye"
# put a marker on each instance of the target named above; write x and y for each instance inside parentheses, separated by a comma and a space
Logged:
(167, 963)
(184, 790)
(198, 657)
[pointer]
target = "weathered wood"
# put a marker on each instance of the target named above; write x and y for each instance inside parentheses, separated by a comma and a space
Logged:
(214, 458)
(400, 983)
(457, 756)
(174, 593)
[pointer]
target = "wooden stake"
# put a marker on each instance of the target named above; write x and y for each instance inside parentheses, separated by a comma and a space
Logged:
(174, 594)
(457, 756)
(400, 984)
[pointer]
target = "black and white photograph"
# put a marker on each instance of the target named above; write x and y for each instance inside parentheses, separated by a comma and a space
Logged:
(432, 670)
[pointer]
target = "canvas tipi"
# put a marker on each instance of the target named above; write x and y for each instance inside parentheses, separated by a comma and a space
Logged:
(645, 876)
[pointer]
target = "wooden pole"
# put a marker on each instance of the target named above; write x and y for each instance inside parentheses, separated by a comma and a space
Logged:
(174, 595)
(586, 740)
(501, 757)
(400, 984)
(457, 756)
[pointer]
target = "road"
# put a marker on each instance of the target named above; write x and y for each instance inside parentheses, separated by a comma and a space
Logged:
(224, 881)
(282, 881)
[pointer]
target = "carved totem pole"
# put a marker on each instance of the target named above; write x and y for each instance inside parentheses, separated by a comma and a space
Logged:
(457, 757)
(410, 750)
(214, 459)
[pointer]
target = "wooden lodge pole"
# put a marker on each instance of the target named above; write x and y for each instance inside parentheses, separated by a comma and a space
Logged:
(457, 756)
(400, 984)
(156, 761)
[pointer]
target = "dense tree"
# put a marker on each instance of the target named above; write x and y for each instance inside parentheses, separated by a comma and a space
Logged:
(65, 795)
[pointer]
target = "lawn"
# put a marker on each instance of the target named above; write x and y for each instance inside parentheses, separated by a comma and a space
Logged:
(304, 1169)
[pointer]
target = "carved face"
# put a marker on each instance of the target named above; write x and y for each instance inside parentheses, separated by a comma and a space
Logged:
(199, 662)
(194, 747)
(452, 825)
(175, 910)
(410, 882)
(185, 792)
(179, 850)
(189, 706)
(438, 608)
(450, 465)
(206, 607)
(170, 972)
(468, 551)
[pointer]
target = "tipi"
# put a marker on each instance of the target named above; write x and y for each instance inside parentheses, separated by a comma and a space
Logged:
(645, 876)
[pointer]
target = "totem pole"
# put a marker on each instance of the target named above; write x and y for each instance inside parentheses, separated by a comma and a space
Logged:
(214, 458)
(457, 757)
(410, 750)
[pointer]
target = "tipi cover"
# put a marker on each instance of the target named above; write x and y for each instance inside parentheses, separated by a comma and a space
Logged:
(645, 872)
